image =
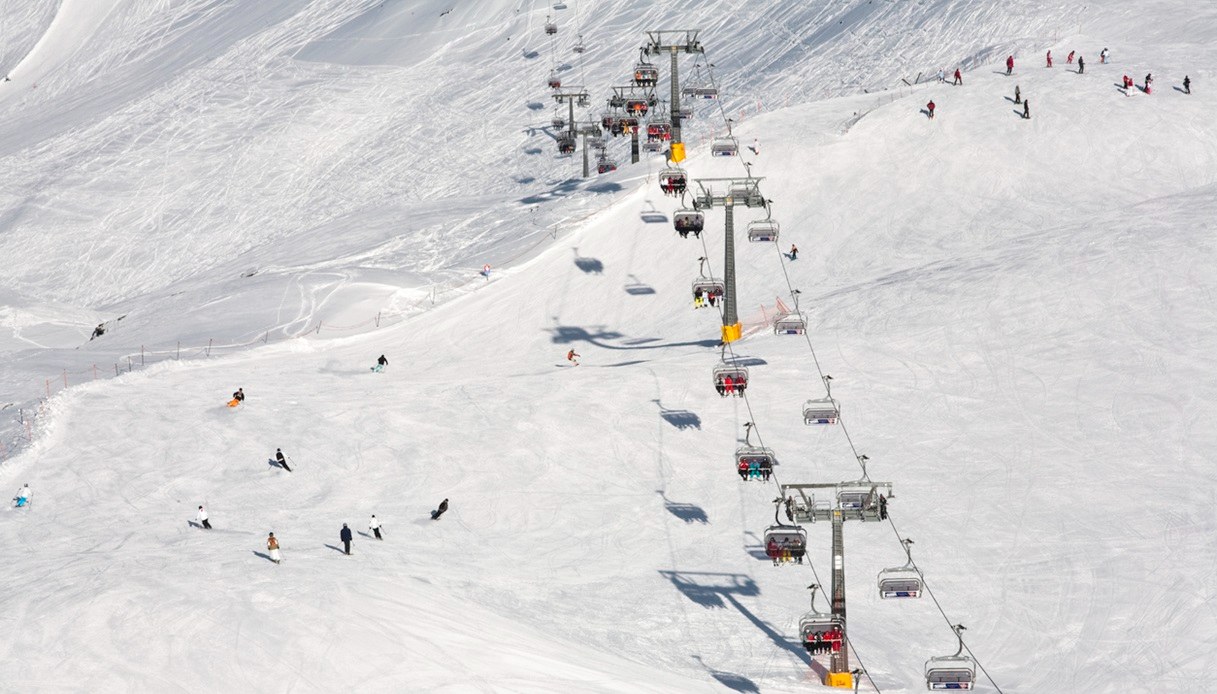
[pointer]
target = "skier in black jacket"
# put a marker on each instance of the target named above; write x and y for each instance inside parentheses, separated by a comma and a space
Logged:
(345, 535)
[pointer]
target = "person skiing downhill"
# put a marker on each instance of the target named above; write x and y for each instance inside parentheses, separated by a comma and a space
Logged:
(1081, 65)
(374, 526)
(345, 536)
(1049, 58)
(958, 78)
(1069, 58)
(1027, 109)
(23, 496)
(1018, 97)
(930, 107)
(1103, 55)
(381, 363)
(794, 252)
(272, 546)
(281, 459)
(1149, 80)
(1187, 84)
(572, 357)
(443, 506)
(1009, 64)
(201, 517)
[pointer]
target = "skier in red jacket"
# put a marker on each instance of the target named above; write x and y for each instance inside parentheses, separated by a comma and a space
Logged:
(930, 107)
(1009, 64)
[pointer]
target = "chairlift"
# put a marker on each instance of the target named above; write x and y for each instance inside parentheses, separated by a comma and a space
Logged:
(785, 544)
(653, 145)
(793, 323)
(637, 107)
(659, 130)
(579, 47)
(628, 124)
(951, 671)
(607, 119)
(901, 581)
(754, 462)
(559, 122)
(616, 101)
(686, 220)
(685, 112)
(821, 411)
(763, 230)
(732, 379)
(645, 74)
(821, 632)
(597, 143)
(551, 27)
(673, 181)
(605, 165)
(724, 147)
(566, 144)
(554, 81)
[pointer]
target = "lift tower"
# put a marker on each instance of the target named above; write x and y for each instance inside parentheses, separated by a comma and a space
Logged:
(572, 96)
(729, 192)
(587, 130)
(861, 500)
(674, 42)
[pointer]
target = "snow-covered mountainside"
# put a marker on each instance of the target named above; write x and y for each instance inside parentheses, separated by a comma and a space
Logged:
(1017, 315)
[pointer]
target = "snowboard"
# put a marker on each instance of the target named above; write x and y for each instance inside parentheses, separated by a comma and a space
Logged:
(234, 402)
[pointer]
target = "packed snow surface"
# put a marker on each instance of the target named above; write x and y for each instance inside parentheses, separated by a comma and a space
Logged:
(1017, 315)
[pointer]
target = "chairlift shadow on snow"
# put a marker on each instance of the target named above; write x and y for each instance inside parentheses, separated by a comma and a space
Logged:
(730, 680)
(636, 287)
(681, 419)
(591, 266)
(533, 150)
(689, 513)
(748, 361)
(600, 337)
(535, 106)
(605, 187)
(756, 551)
(530, 55)
(652, 215)
(559, 191)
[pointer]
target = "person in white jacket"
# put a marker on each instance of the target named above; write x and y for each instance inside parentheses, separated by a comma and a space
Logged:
(202, 518)
(374, 526)
(23, 496)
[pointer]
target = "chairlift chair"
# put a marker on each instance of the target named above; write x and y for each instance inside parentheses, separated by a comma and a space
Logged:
(793, 323)
(738, 375)
(579, 47)
(566, 144)
(747, 455)
(951, 671)
(628, 124)
(821, 629)
(686, 220)
(705, 92)
(673, 181)
(821, 411)
(659, 130)
(724, 147)
(554, 81)
(605, 165)
(559, 122)
(653, 145)
(900, 582)
(551, 27)
(763, 230)
(645, 74)
(685, 112)
(710, 285)
(637, 107)
(786, 537)
(597, 143)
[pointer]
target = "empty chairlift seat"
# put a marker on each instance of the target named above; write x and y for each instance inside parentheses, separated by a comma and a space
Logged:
(551, 27)
(762, 231)
(950, 672)
(785, 544)
(790, 324)
(673, 181)
(899, 582)
(821, 411)
(686, 220)
(724, 147)
(730, 380)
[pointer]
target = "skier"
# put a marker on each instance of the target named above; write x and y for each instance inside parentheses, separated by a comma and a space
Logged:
(201, 517)
(98, 331)
(1069, 58)
(1187, 84)
(729, 385)
(942, 75)
(443, 506)
(930, 107)
(1009, 64)
(1018, 97)
(374, 526)
(1027, 109)
(958, 78)
(345, 536)
(272, 546)
(1081, 65)
(766, 470)
(1049, 58)
(281, 459)
(1127, 84)
(698, 301)
(756, 145)
(381, 363)
(486, 271)
(1149, 79)
(794, 252)
(718, 385)
(742, 469)
(1103, 55)
(712, 296)
(23, 496)
(572, 357)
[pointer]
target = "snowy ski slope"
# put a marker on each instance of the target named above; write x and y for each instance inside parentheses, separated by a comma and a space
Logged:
(1017, 315)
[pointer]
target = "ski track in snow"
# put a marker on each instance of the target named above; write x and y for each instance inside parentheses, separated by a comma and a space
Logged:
(1017, 315)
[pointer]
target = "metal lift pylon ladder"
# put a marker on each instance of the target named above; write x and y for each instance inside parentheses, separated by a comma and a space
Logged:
(727, 193)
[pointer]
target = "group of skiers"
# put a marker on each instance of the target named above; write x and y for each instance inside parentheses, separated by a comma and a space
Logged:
(726, 385)
(785, 551)
(1081, 63)
(755, 469)
(703, 297)
(821, 642)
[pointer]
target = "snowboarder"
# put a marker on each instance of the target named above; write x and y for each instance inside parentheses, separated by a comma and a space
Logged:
(1027, 109)
(1009, 64)
(572, 357)
(272, 546)
(1049, 58)
(1149, 79)
(1081, 65)
(1069, 58)
(1187, 84)
(98, 331)
(942, 75)
(958, 78)
(237, 398)
(23, 496)
(443, 506)
(381, 363)
(930, 107)
(201, 517)
(374, 526)
(1103, 55)
(794, 252)
(281, 459)
(1018, 97)
(345, 536)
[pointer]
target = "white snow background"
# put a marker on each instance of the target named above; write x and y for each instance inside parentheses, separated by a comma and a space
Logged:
(1018, 317)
